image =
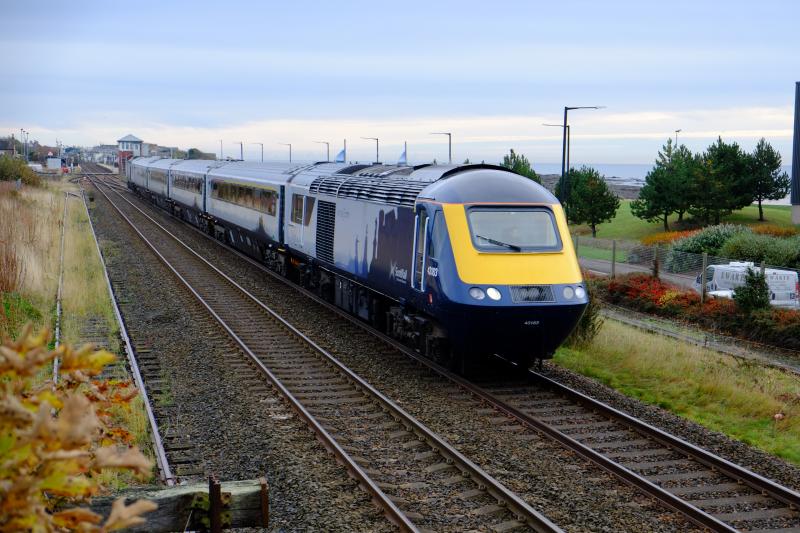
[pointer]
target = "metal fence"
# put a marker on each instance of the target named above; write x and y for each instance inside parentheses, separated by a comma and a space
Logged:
(615, 257)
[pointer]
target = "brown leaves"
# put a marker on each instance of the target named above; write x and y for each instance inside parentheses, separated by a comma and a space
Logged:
(50, 438)
(123, 516)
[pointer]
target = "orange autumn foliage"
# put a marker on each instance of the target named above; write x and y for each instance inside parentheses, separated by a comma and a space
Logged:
(54, 439)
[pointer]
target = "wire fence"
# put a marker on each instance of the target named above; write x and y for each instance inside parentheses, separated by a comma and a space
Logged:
(615, 257)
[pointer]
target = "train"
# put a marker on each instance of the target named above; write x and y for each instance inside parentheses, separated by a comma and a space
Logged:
(463, 263)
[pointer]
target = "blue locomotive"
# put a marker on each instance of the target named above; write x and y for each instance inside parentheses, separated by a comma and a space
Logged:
(458, 261)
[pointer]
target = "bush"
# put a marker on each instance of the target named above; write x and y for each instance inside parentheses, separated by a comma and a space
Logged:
(710, 239)
(14, 169)
(56, 439)
(591, 321)
(773, 251)
(776, 231)
(754, 294)
(667, 237)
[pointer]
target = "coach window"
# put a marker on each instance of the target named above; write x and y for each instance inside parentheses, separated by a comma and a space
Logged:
(438, 236)
(297, 208)
(309, 210)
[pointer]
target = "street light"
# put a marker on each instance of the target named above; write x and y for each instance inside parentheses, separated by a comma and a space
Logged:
(290, 150)
(241, 150)
(561, 126)
(676, 137)
(262, 150)
(449, 144)
(328, 149)
(564, 185)
(220, 149)
(377, 148)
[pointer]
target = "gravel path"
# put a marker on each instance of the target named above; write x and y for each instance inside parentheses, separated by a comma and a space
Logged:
(241, 430)
(573, 493)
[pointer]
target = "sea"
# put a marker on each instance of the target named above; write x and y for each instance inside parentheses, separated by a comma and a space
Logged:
(627, 174)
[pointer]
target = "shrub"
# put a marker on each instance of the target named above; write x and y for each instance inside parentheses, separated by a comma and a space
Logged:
(56, 439)
(754, 294)
(14, 169)
(775, 230)
(591, 321)
(710, 239)
(667, 237)
(757, 248)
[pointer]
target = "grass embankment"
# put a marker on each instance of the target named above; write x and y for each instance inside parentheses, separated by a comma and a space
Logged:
(626, 226)
(735, 398)
(30, 239)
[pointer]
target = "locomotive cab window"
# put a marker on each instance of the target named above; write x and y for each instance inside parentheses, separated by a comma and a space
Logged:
(513, 229)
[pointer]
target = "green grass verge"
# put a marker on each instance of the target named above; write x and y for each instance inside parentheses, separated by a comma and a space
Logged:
(717, 391)
(626, 226)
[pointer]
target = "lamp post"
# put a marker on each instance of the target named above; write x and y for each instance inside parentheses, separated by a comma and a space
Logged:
(327, 150)
(262, 150)
(241, 150)
(564, 184)
(290, 150)
(561, 126)
(220, 149)
(449, 144)
(377, 148)
(676, 137)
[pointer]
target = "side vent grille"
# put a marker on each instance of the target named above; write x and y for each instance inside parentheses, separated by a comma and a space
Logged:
(370, 188)
(326, 225)
(532, 293)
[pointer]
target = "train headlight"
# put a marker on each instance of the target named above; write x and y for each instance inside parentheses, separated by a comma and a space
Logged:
(477, 293)
(580, 292)
(569, 292)
(493, 293)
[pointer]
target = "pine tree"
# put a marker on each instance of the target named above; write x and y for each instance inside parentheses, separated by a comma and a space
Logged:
(591, 201)
(722, 182)
(663, 190)
(519, 163)
(769, 183)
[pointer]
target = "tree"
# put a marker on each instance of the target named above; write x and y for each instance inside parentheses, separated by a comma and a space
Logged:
(769, 183)
(754, 294)
(722, 182)
(519, 163)
(663, 188)
(591, 201)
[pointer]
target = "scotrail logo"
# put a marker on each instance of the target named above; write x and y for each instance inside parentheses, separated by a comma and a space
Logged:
(397, 273)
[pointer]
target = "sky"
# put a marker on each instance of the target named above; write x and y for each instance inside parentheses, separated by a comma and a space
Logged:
(194, 73)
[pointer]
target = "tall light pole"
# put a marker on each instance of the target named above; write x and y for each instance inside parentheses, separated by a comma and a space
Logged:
(676, 137)
(377, 148)
(290, 150)
(561, 126)
(564, 184)
(328, 150)
(449, 144)
(262, 150)
(220, 149)
(241, 150)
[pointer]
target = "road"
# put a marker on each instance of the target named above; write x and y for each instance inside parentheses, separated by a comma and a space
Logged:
(603, 267)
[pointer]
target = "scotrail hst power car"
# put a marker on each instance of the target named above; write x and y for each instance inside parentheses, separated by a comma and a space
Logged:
(459, 261)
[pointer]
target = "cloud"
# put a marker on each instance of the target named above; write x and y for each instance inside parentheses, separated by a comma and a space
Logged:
(603, 135)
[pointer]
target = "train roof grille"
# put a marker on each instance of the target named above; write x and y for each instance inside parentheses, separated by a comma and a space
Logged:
(370, 188)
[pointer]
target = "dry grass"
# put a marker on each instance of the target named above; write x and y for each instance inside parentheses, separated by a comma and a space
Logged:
(736, 398)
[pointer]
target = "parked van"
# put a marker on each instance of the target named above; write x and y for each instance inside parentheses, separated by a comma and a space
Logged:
(721, 280)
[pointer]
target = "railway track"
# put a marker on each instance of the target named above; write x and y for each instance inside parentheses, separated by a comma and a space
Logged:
(710, 491)
(416, 477)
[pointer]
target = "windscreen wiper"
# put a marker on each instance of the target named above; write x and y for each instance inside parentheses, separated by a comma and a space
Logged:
(500, 243)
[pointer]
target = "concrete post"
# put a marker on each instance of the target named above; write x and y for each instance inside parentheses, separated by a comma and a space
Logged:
(796, 158)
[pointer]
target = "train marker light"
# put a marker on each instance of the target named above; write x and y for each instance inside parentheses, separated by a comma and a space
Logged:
(477, 293)
(580, 292)
(569, 292)
(493, 293)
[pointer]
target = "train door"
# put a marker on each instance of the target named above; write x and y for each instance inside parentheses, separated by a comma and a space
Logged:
(418, 259)
(301, 208)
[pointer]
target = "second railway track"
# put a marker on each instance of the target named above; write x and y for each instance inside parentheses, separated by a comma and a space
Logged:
(710, 491)
(420, 480)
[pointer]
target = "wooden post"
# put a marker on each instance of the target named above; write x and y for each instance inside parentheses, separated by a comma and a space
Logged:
(577, 242)
(215, 504)
(655, 261)
(703, 279)
(613, 258)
